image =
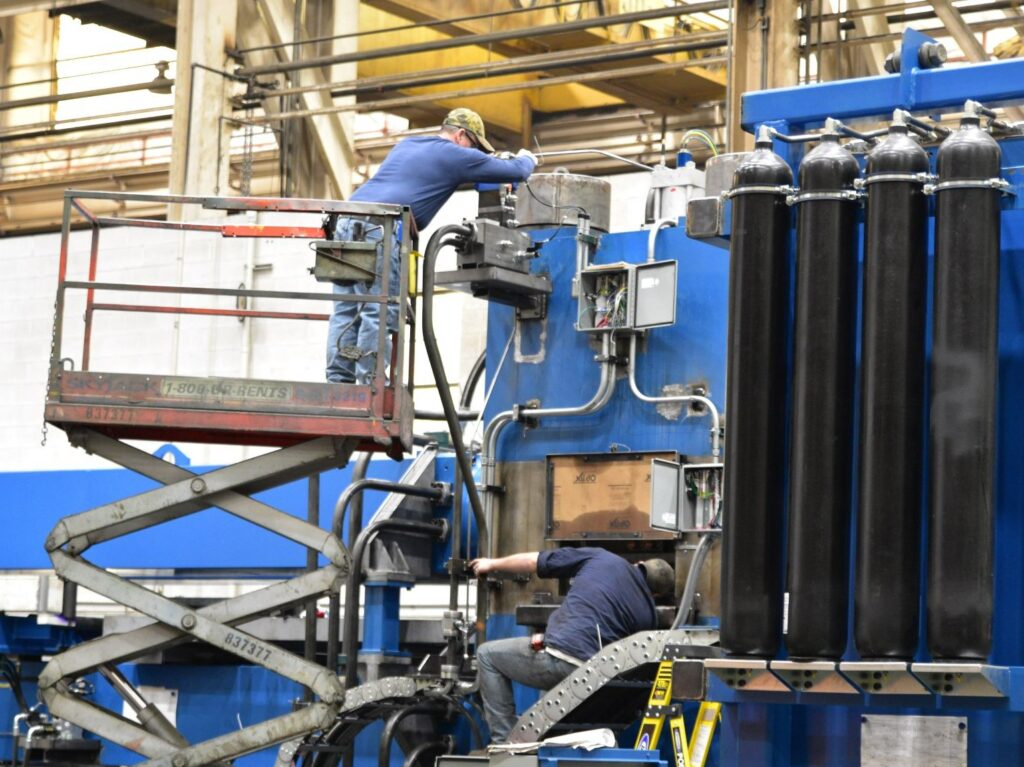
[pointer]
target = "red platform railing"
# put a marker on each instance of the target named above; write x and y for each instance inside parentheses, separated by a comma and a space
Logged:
(229, 410)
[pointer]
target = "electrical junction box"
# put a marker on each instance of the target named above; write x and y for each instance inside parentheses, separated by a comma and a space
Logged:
(685, 498)
(654, 295)
(625, 296)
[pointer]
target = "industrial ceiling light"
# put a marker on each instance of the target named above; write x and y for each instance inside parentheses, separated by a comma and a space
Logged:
(161, 83)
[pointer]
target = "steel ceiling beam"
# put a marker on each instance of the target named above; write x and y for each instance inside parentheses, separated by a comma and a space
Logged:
(486, 38)
(397, 103)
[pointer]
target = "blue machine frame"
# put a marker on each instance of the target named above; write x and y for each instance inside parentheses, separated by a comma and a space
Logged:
(772, 730)
(759, 729)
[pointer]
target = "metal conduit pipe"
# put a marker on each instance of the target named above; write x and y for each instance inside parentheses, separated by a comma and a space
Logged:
(690, 589)
(437, 529)
(652, 238)
(59, 97)
(712, 409)
(602, 152)
(438, 415)
(602, 396)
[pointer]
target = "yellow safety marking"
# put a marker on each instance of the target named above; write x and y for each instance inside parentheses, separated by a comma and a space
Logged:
(414, 265)
(677, 726)
(703, 732)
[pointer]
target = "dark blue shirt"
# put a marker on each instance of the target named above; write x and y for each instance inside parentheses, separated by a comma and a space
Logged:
(423, 172)
(606, 592)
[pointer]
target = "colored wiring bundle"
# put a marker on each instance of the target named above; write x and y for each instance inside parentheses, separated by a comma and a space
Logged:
(703, 137)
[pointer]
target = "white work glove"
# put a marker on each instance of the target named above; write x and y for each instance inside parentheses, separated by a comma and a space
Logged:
(527, 153)
(505, 155)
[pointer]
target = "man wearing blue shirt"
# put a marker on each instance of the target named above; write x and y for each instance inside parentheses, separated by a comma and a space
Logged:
(421, 172)
(607, 600)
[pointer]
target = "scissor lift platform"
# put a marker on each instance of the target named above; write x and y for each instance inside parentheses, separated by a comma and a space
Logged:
(315, 426)
(235, 411)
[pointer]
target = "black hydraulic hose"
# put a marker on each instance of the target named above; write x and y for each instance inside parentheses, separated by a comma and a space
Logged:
(437, 240)
(356, 489)
(387, 736)
(341, 734)
(472, 380)
(359, 470)
(690, 589)
(474, 727)
(437, 529)
(353, 495)
(441, 746)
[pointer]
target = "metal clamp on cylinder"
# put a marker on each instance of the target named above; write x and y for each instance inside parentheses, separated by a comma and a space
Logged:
(987, 183)
(914, 178)
(843, 195)
(760, 189)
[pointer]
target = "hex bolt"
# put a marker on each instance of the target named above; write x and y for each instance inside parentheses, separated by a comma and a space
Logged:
(188, 622)
(179, 760)
(198, 485)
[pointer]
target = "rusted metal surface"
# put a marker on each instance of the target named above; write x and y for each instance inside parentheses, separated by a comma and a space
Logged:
(226, 411)
(225, 230)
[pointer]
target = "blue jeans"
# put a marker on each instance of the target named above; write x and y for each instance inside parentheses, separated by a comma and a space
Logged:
(505, 661)
(352, 331)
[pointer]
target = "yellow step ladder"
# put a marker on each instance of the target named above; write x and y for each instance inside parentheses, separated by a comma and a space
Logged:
(660, 707)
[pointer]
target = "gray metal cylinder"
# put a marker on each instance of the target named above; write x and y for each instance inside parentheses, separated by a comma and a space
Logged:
(553, 198)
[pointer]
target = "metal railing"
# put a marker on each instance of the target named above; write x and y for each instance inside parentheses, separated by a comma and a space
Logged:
(384, 399)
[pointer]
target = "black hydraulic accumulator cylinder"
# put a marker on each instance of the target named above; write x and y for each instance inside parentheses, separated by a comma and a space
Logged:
(887, 579)
(759, 278)
(821, 446)
(963, 394)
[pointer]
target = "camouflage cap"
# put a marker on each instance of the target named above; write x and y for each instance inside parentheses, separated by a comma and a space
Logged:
(470, 121)
(660, 577)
